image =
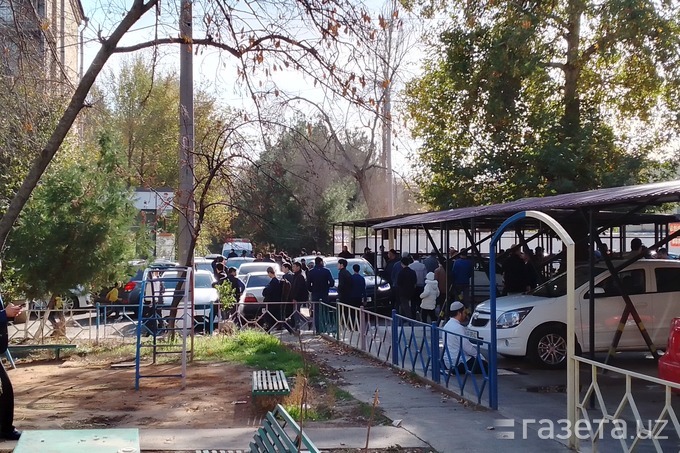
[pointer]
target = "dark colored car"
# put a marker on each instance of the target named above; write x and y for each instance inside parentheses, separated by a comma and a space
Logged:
(377, 289)
(129, 295)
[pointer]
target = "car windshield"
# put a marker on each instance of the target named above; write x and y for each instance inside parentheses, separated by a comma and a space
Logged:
(366, 269)
(255, 281)
(256, 267)
(204, 266)
(203, 281)
(557, 286)
(236, 262)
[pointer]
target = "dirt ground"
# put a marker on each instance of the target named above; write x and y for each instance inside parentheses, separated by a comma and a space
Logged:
(81, 393)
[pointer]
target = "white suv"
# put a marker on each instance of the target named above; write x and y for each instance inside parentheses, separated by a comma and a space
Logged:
(534, 325)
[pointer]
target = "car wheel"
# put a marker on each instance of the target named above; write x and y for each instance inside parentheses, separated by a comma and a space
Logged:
(548, 347)
(38, 304)
(70, 302)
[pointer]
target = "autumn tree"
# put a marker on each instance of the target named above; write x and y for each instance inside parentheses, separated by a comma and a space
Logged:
(259, 43)
(290, 195)
(529, 99)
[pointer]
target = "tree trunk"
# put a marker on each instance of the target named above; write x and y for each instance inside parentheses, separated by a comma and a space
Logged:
(571, 122)
(69, 116)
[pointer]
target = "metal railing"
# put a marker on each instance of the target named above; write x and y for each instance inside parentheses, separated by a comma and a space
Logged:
(620, 423)
(364, 330)
(68, 324)
(424, 349)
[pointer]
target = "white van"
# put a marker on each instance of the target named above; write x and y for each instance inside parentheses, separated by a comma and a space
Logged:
(238, 245)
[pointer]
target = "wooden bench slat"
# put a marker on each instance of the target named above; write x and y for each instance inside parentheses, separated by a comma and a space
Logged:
(273, 437)
(258, 444)
(267, 438)
(267, 382)
(284, 382)
(306, 441)
(280, 433)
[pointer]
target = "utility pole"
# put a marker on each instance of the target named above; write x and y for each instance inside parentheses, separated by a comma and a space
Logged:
(186, 136)
(388, 73)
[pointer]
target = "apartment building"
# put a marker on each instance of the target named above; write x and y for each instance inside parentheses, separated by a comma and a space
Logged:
(40, 40)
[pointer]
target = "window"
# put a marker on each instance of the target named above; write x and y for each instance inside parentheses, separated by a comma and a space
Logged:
(632, 282)
(667, 279)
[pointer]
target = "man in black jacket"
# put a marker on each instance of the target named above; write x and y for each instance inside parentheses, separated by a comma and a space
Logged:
(7, 430)
(406, 287)
(298, 293)
(344, 282)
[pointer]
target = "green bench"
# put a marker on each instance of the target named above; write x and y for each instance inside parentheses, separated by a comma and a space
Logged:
(280, 433)
(271, 383)
(19, 348)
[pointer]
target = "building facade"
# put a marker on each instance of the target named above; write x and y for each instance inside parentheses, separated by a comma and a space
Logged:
(40, 40)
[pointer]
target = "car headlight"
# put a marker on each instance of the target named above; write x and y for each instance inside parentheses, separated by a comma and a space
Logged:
(512, 318)
(384, 287)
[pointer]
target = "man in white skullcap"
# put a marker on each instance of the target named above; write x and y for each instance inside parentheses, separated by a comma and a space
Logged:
(455, 340)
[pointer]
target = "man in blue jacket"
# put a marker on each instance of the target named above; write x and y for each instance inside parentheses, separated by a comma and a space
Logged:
(319, 280)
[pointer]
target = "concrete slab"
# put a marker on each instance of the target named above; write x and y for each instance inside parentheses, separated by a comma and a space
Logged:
(239, 438)
(79, 441)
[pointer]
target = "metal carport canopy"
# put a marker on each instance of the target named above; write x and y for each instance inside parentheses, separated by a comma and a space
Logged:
(613, 197)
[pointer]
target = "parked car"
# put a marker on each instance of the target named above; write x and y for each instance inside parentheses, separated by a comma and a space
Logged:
(534, 324)
(377, 299)
(260, 266)
(205, 295)
(129, 295)
(251, 304)
(481, 284)
(78, 297)
(238, 261)
(203, 264)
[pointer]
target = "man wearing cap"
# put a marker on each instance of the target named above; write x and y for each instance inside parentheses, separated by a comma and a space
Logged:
(456, 340)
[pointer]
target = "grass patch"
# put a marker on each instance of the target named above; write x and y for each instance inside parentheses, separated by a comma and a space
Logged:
(253, 348)
(248, 347)
(314, 414)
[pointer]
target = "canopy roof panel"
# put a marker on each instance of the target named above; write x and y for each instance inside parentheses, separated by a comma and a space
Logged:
(613, 198)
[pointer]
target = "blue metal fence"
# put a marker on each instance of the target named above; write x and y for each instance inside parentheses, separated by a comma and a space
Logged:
(424, 349)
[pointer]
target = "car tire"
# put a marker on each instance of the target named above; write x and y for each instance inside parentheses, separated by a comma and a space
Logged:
(70, 302)
(548, 346)
(38, 304)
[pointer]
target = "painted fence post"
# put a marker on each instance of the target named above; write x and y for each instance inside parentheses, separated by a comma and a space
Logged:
(395, 339)
(337, 321)
(435, 353)
(97, 308)
(362, 329)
